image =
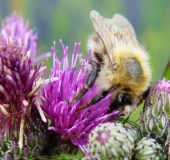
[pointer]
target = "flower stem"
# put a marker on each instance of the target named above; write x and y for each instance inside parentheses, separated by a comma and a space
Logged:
(21, 132)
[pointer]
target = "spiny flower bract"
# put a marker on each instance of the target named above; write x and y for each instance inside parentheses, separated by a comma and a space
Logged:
(111, 141)
(148, 148)
(155, 117)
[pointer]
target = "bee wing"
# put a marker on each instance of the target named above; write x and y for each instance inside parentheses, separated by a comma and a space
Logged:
(125, 28)
(112, 31)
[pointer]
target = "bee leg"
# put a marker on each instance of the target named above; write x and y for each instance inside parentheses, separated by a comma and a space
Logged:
(89, 82)
(94, 100)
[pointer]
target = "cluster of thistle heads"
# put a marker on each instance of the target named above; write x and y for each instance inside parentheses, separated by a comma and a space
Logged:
(38, 118)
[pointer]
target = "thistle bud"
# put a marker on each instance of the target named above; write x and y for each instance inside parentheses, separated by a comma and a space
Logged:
(111, 141)
(148, 148)
(156, 112)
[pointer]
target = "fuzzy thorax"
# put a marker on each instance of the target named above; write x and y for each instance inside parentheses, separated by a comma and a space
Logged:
(131, 71)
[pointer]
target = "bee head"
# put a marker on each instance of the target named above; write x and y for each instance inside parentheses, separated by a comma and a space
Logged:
(120, 102)
(125, 103)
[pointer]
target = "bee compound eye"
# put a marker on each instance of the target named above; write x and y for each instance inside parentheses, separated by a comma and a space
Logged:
(124, 99)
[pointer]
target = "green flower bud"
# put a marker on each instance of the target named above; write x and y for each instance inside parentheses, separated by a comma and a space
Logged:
(149, 149)
(156, 112)
(111, 141)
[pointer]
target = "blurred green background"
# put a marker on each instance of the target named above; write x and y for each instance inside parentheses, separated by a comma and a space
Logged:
(69, 20)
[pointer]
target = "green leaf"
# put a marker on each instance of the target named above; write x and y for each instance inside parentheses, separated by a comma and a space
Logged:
(132, 123)
(167, 71)
(67, 157)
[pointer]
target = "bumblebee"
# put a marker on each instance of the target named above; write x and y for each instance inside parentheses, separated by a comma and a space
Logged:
(118, 62)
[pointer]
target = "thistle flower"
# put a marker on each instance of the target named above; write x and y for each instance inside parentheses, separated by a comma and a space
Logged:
(20, 124)
(14, 28)
(57, 96)
(111, 141)
(155, 118)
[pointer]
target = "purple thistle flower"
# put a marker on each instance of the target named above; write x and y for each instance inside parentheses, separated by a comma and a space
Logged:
(57, 95)
(14, 28)
(19, 80)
